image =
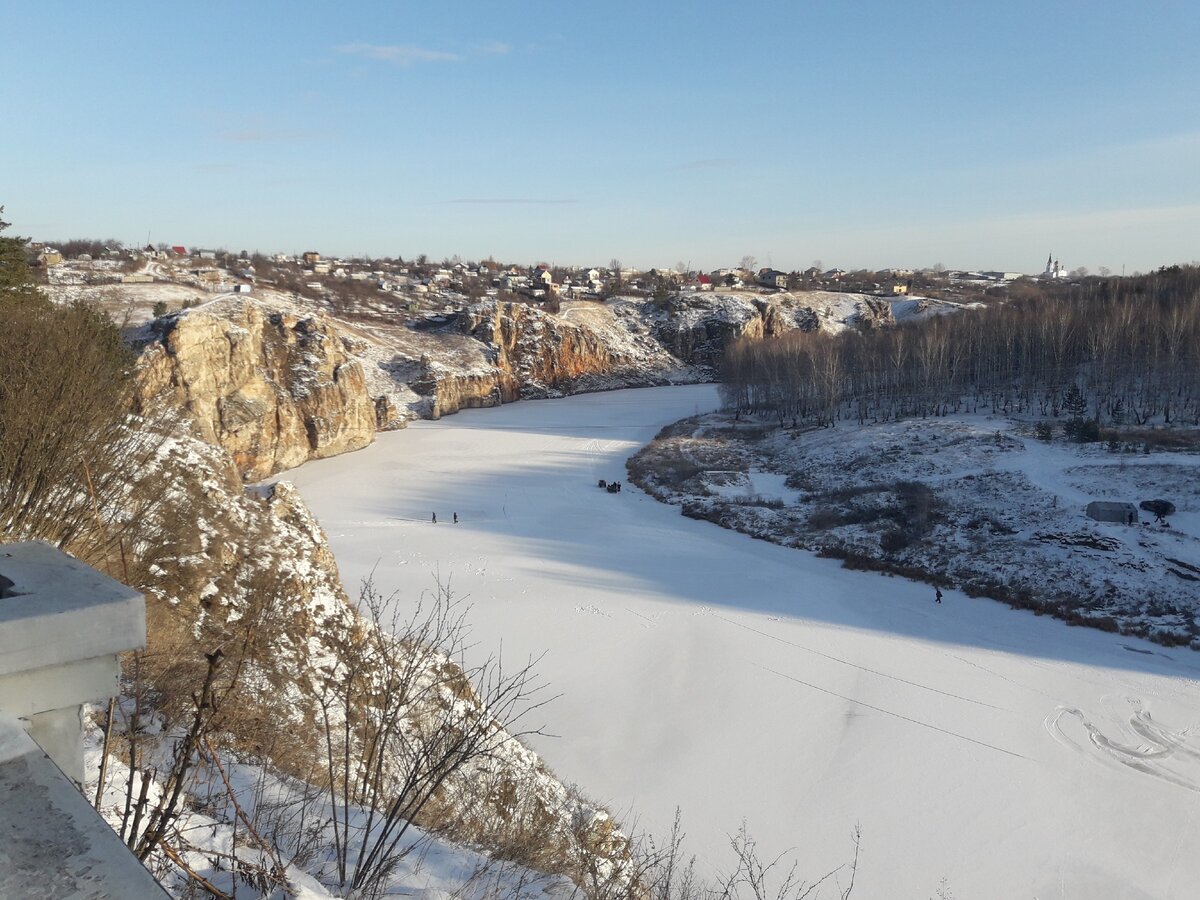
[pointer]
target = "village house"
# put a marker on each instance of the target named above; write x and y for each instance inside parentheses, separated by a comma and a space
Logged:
(311, 257)
(773, 278)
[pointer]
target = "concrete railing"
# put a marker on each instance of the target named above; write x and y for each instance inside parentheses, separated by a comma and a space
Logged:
(62, 624)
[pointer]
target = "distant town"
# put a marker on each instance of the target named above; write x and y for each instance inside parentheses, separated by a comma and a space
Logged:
(413, 284)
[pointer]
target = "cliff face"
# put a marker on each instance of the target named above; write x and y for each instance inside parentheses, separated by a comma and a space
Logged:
(277, 388)
(698, 327)
(272, 389)
(529, 354)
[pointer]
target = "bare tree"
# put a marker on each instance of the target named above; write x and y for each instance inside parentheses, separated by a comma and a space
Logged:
(403, 715)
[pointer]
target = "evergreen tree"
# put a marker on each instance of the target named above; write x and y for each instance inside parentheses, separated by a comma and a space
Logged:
(16, 281)
(1074, 403)
(1079, 428)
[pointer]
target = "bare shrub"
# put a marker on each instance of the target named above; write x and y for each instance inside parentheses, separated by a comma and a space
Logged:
(402, 715)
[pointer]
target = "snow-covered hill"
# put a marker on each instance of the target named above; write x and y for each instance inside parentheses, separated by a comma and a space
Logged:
(972, 500)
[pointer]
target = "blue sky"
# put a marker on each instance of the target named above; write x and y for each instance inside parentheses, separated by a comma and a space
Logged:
(862, 134)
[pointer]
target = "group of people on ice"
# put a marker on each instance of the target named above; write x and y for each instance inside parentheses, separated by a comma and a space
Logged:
(613, 487)
(435, 518)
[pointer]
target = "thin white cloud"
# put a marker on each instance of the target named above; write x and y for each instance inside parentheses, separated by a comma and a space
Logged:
(511, 201)
(267, 136)
(397, 54)
(714, 163)
(494, 48)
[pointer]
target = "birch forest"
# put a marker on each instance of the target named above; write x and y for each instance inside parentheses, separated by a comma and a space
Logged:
(1121, 351)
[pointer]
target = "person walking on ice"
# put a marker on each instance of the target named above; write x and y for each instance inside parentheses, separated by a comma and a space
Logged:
(456, 518)
(938, 597)
(435, 518)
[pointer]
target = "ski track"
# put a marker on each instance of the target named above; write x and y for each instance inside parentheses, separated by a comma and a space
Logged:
(896, 715)
(1157, 745)
(853, 665)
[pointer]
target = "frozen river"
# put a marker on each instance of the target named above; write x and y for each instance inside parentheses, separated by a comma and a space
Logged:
(1008, 754)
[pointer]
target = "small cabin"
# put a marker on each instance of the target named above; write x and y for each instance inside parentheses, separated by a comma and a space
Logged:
(1112, 511)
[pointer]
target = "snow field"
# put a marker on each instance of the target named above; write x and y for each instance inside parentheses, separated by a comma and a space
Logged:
(738, 680)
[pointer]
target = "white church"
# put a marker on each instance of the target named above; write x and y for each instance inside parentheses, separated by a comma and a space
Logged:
(1054, 269)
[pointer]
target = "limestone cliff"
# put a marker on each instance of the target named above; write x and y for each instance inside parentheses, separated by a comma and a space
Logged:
(273, 389)
(275, 385)
(698, 327)
(526, 353)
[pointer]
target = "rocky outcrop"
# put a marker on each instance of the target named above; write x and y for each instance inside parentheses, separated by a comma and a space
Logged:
(449, 391)
(698, 327)
(530, 354)
(273, 389)
(277, 388)
(541, 351)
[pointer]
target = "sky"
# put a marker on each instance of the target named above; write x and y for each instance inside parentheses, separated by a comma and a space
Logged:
(863, 135)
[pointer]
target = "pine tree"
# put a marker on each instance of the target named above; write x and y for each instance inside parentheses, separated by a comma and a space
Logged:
(1074, 403)
(16, 281)
(1079, 428)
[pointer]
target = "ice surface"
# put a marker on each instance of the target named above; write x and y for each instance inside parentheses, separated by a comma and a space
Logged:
(1007, 753)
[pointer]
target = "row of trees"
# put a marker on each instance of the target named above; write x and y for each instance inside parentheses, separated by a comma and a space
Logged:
(1131, 347)
(67, 455)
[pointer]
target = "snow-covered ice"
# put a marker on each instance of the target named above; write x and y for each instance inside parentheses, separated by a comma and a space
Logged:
(1007, 753)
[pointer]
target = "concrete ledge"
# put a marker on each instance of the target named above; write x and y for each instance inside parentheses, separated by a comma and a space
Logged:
(64, 684)
(52, 843)
(54, 610)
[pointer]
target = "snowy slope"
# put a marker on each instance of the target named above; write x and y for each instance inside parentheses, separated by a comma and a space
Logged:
(1007, 753)
(976, 501)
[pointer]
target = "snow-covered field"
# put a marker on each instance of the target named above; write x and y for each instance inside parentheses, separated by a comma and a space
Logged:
(1008, 754)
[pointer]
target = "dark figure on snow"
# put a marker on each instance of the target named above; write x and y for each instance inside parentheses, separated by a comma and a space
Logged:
(938, 596)
(602, 483)
(435, 518)
(456, 518)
